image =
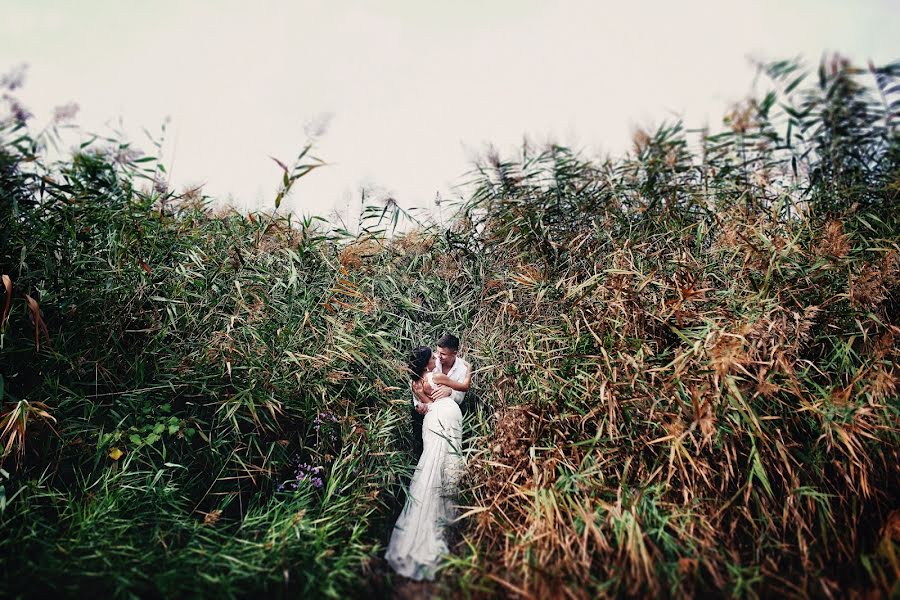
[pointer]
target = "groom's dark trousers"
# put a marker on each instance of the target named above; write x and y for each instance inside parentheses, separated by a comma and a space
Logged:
(416, 441)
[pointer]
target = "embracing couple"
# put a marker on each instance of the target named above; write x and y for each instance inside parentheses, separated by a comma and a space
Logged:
(439, 384)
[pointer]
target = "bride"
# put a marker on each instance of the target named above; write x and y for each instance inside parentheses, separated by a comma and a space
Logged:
(417, 542)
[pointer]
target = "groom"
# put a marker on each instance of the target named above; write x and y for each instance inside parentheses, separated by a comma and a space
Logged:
(453, 367)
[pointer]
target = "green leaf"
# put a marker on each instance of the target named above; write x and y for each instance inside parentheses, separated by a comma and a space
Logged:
(794, 84)
(767, 103)
(757, 470)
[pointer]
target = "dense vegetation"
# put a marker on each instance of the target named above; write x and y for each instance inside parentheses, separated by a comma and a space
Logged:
(687, 367)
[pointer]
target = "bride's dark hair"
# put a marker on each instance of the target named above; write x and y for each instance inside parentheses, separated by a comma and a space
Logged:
(418, 361)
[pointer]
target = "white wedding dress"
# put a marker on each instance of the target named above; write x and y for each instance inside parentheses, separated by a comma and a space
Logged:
(417, 542)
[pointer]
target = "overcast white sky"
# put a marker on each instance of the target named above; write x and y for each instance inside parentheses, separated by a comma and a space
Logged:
(416, 88)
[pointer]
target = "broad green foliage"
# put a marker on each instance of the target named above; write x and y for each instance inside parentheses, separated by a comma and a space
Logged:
(686, 358)
(188, 359)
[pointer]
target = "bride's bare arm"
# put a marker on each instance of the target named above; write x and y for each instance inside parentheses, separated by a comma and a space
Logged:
(419, 390)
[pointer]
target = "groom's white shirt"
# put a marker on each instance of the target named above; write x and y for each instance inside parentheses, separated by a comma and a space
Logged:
(457, 372)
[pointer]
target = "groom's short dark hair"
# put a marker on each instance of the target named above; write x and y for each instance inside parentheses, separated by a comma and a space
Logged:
(449, 341)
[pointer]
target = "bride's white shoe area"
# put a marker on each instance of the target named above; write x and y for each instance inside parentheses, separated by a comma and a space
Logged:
(418, 540)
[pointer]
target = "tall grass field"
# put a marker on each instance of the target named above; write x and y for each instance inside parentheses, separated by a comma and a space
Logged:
(686, 366)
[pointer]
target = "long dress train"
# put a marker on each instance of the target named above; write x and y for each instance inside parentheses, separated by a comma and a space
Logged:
(418, 542)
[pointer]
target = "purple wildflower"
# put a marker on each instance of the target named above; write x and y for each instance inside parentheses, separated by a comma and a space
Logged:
(15, 78)
(322, 418)
(66, 112)
(314, 474)
(18, 110)
(326, 418)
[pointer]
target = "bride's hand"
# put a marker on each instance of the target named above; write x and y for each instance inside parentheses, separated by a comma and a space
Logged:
(418, 389)
(441, 392)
